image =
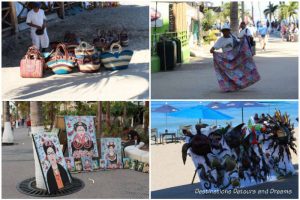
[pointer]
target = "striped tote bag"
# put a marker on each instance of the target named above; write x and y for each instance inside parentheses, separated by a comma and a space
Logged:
(60, 61)
(116, 60)
(87, 57)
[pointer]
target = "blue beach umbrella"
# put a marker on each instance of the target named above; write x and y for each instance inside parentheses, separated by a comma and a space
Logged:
(201, 112)
(216, 105)
(242, 105)
(165, 109)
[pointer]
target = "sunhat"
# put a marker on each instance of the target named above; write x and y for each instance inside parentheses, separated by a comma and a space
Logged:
(225, 27)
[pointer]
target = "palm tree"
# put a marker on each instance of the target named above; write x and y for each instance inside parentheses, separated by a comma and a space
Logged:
(270, 10)
(99, 119)
(107, 114)
(146, 117)
(234, 17)
(288, 11)
(37, 126)
(8, 137)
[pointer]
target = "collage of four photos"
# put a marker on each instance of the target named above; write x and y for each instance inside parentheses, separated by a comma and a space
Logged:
(150, 99)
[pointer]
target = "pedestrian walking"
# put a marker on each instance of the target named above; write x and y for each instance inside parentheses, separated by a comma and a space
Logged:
(246, 32)
(263, 32)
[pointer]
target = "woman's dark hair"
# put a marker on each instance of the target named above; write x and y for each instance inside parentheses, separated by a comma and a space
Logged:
(76, 125)
(47, 145)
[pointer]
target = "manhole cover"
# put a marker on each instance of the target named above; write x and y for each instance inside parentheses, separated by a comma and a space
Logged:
(28, 187)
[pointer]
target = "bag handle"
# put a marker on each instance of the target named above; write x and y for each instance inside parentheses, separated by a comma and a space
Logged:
(64, 48)
(33, 51)
(115, 45)
(83, 45)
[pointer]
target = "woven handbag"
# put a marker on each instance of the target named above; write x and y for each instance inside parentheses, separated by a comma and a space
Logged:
(60, 61)
(87, 57)
(116, 60)
(32, 64)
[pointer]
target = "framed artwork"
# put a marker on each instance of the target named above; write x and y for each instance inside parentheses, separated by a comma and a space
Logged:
(53, 164)
(140, 166)
(103, 164)
(111, 151)
(78, 165)
(87, 163)
(146, 168)
(81, 136)
(126, 163)
(96, 164)
(70, 163)
(133, 164)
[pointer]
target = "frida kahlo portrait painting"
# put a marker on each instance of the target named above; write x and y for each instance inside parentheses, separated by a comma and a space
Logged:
(111, 152)
(81, 136)
(52, 161)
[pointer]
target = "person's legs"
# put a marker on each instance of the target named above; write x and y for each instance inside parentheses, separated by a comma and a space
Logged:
(35, 40)
(44, 41)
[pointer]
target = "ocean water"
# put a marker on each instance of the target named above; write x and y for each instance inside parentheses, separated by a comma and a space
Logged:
(158, 120)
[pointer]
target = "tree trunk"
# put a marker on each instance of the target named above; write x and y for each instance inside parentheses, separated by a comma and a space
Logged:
(37, 126)
(125, 114)
(99, 120)
(146, 117)
(243, 10)
(52, 114)
(17, 115)
(252, 12)
(234, 17)
(7, 132)
(107, 114)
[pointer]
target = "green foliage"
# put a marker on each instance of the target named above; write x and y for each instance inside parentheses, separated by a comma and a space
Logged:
(270, 10)
(225, 14)
(286, 11)
(211, 36)
(209, 19)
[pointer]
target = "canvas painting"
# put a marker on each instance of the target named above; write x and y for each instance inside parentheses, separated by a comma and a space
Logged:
(126, 163)
(103, 164)
(87, 163)
(133, 164)
(146, 168)
(140, 166)
(81, 136)
(96, 164)
(52, 161)
(78, 165)
(111, 152)
(70, 163)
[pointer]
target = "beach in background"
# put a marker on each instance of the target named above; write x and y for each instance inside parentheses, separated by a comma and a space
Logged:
(158, 120)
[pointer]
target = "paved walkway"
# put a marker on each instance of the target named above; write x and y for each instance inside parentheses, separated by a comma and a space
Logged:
(18, 165)
(132, 83)
(278, 67)
(282, 189)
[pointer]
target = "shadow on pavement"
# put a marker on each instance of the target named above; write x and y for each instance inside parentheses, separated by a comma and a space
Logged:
(276, 190)
(84, 81)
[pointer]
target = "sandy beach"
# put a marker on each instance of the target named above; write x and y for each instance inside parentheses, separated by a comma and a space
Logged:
(168, 171)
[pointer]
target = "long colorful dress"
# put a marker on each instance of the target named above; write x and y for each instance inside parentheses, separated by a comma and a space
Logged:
(236, 69)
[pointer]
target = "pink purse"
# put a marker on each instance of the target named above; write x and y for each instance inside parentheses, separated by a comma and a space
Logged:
(31, 65)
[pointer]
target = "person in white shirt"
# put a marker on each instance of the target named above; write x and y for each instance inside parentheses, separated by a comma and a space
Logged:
(245, 31)
(226, 42)
(36, 19)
